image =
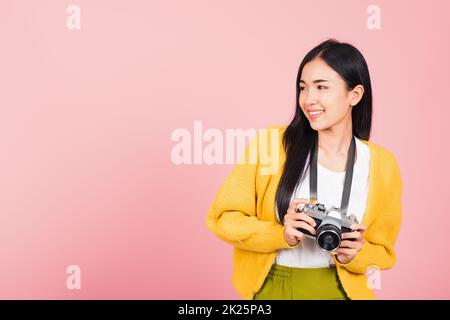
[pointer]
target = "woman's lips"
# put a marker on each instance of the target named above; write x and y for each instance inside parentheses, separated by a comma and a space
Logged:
(315, 114)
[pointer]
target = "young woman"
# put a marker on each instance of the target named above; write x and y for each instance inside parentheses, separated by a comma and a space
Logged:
(262, 215)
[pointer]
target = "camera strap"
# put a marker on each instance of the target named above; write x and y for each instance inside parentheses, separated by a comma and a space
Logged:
(348, 174)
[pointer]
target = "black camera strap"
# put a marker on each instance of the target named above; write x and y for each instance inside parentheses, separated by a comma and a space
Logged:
(348, 175)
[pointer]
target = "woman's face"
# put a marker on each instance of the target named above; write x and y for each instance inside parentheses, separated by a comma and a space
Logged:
(324, 98)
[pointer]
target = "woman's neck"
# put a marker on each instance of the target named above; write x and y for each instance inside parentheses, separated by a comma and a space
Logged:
(336, 140)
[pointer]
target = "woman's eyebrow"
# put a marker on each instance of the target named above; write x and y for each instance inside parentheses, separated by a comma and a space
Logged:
(315, 81)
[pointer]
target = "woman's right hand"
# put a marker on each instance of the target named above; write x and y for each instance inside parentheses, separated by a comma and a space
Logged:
(294, 220)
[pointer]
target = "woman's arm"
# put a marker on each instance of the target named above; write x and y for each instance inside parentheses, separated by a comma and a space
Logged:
(232, 215)
(381, 234)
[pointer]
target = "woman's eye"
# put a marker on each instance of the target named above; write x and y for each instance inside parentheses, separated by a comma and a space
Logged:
(319, 87)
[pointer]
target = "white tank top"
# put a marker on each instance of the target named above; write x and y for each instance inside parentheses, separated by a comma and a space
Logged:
(330, 185)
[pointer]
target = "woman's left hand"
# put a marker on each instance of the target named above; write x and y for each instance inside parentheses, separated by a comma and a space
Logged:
(351, 243)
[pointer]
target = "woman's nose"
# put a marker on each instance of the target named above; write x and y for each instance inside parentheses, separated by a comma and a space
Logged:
(311, 98)
(311, 102)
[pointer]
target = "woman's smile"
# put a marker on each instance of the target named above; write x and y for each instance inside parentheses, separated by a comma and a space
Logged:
(315, 114)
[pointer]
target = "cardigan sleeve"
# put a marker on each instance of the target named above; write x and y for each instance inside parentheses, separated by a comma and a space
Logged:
(381, 234)
(232, 215)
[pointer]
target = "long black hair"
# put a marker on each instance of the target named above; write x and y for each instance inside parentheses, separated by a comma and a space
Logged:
(299, 138)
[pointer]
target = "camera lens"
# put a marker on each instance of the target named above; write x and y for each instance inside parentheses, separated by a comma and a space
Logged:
(328, 237)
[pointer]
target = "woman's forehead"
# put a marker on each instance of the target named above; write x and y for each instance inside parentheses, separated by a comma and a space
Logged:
(316, 70)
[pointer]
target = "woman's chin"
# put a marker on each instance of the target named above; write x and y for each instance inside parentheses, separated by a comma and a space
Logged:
(317, 126)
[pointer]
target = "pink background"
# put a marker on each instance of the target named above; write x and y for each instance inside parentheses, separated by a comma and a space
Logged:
(86, 176)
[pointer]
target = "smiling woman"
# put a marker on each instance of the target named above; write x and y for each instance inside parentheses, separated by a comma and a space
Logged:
(331, 100)
(327, 165)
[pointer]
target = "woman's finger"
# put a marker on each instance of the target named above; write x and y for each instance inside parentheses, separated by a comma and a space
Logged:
(295, 202)
(291, 212)
(358, 227)
(351, 245)
(303, 225)
(293, 232)
(290, 215)
(299, 216)
(304, 217)
(356, 235)
(348, 252)
(297, 234)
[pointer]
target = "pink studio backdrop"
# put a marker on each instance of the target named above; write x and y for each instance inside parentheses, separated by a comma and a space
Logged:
(86, 176)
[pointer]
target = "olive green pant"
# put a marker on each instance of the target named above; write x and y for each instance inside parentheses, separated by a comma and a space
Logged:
(286, 283)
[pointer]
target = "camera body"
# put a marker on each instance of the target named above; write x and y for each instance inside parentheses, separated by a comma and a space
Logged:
(328, 228)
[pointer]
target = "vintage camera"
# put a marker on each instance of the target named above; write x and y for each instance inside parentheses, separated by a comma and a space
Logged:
(329, 228)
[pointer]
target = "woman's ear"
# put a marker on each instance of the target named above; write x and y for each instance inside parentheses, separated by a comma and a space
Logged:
(357, 94)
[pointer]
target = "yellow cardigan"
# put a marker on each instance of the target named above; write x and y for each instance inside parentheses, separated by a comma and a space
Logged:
(243, 215)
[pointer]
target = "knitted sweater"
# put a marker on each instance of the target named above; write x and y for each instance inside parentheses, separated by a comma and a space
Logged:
(243, 215)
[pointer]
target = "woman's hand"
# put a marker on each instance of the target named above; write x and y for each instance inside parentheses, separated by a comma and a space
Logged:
(349, 248)
(294, 220)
